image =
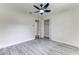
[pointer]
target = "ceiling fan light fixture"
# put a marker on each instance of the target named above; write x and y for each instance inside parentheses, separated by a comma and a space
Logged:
(41, 11)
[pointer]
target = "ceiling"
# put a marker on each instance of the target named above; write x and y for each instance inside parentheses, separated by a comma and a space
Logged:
(29, 9)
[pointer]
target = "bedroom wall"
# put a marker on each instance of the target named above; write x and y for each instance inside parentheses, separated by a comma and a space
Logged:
(64, 26)
(15, 27)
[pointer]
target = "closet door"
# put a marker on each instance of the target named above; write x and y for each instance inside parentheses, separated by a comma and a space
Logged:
(46, 28)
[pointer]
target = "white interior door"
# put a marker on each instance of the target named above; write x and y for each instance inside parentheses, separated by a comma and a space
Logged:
(46, 28)
(37, 25)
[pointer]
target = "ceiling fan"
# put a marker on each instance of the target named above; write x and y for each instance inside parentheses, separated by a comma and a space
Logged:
(43, 9)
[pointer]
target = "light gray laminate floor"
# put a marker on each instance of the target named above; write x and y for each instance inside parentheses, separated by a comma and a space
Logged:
(40, 47)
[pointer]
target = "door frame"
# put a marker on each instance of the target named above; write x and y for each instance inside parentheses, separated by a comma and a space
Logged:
(46, 36)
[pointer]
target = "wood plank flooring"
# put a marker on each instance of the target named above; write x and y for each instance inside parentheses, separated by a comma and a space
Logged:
(40, 47)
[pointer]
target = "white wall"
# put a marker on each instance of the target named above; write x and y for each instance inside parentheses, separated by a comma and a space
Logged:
(64, 26)
(15, 27)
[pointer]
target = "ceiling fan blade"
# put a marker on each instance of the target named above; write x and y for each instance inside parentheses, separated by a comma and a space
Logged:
(36, 7)
(46, 6)
(36, 12)
(47, 10)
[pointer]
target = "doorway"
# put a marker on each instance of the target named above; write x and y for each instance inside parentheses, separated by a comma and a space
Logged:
(46, 28)
(37, 29)
(42, 29)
